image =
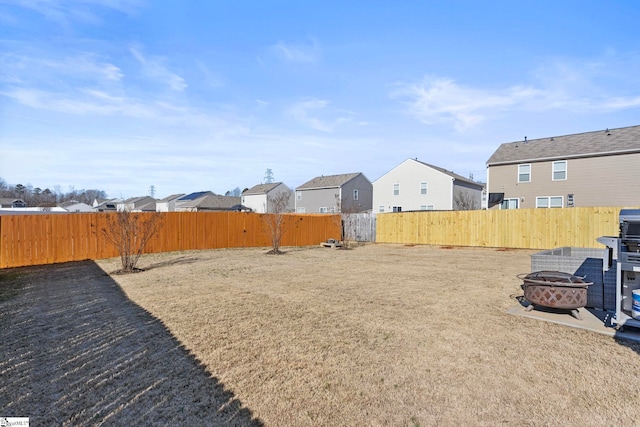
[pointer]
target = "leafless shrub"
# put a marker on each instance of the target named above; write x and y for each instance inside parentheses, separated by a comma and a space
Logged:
(275, 221)
(465, 201)
(129, 233)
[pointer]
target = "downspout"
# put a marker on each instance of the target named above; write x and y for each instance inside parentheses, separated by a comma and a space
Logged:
(453, 195)
(487, 189)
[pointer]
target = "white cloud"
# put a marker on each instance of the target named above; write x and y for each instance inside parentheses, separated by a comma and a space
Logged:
(83, 102)
(154, 68)
(307, 112)
(65, 12)
(297, 53)
(18, 67)
(438, 100)
(209, 78)
(560, 85)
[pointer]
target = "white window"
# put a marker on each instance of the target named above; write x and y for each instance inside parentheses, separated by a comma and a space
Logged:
(509, 204)
(423, 207)
(524, 173)
(381, 208)
(324, 210)
(560, 170)
(542, 202)
(300, 210)
(397, 208)
(298, 195)
(549, 202)
(333, 209)
(396, 189)
(355, 194)
(423, 188)
(430, 207)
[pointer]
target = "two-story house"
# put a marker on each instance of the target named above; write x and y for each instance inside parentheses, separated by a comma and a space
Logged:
(346, 193)
(262, 198)
(586, 169)
(414, 185)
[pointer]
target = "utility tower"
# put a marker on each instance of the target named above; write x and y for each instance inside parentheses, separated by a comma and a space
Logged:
(152, 191)
(268, 176)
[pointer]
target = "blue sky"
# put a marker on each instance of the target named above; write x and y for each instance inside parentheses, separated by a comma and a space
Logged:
(119, 95)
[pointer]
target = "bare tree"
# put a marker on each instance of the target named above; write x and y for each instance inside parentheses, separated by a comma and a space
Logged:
(275, 221)
(130, 232)
(465, 201)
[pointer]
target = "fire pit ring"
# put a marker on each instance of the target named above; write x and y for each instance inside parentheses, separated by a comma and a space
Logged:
(555, 289)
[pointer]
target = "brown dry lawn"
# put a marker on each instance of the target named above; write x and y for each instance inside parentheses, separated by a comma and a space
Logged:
(384, 335)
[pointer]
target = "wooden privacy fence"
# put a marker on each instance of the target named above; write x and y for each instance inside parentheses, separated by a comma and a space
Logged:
(51, 238)
(513, 228)
(360, 227)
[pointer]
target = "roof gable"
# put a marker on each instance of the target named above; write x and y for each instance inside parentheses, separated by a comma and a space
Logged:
(261, 189)
(453, 175)
(589, 144)
(329, 181)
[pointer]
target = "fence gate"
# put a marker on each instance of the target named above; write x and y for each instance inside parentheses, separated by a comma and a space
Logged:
(359, 227)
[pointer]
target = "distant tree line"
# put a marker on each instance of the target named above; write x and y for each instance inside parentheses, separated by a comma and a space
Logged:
(36, 196)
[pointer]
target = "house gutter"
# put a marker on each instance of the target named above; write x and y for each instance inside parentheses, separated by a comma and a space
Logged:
(574, 156)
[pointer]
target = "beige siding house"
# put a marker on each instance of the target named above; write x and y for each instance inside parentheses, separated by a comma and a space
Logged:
(587, 169)
(414, 185)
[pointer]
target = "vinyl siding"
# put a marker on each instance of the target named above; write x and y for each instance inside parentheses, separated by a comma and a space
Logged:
(312, 199)
(409, 174)
(594, 181)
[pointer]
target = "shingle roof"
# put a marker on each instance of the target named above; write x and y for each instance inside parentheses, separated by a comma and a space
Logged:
(194, 196)
(261, 189)
(589, 144)
(209, 201)
(330, 181)
(170, 198)
(452, 174)
(216, 201)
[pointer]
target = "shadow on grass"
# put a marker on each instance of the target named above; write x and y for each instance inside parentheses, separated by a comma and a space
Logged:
(75, 350)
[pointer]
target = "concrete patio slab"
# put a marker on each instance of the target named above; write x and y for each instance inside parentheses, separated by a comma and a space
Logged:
(592, 320)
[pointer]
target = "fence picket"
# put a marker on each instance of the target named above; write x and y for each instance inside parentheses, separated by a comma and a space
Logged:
(52, 238)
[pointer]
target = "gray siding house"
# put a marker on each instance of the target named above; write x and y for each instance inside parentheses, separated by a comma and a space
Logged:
(346, 193)
(586, 169)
